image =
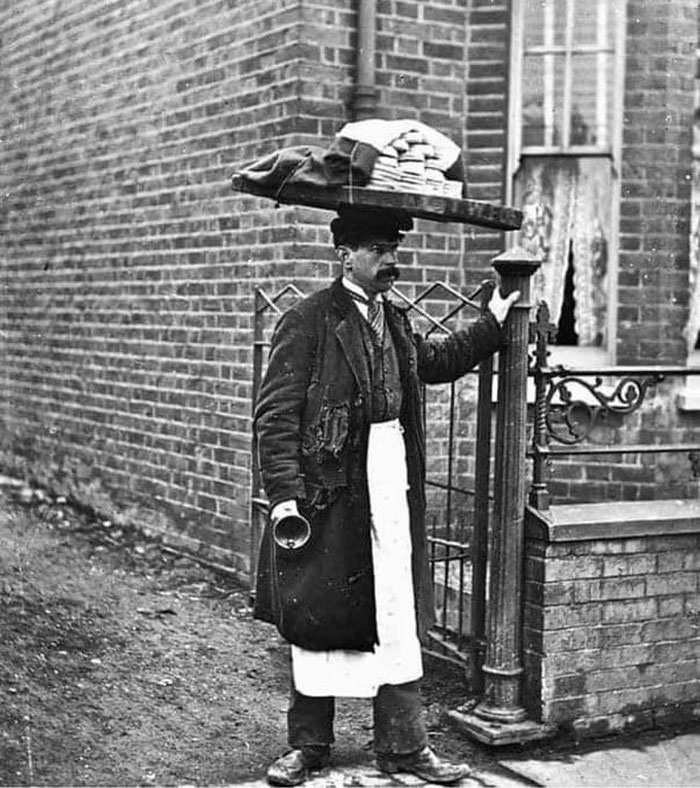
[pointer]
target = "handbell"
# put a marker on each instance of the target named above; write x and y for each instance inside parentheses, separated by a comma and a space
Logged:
(291, 532)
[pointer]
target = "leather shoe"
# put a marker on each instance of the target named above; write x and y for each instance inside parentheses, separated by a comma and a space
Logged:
(424, 764)
(294, 767)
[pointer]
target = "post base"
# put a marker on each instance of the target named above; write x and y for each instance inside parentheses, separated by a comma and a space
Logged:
(499, 733)
(505, 715)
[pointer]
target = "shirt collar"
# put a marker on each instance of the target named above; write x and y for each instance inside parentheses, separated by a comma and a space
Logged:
(348, 285)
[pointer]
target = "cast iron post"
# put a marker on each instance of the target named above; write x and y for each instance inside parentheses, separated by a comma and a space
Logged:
(503, 664)
(500, 717)
(480, 532)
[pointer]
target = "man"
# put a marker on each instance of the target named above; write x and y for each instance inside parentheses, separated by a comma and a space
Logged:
(340, 440)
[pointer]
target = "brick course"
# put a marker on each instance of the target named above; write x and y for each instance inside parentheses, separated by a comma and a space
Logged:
(610, 630)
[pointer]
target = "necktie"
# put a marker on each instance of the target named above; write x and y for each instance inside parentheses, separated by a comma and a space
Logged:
(375, 314)
(375, 317)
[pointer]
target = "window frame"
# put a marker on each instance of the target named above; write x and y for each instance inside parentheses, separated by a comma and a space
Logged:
(568, 49)
(573, 354)
(689, 398)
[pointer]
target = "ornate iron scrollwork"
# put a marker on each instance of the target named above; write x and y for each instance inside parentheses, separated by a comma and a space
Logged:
(542, 331)
(571, 419)
(694, 457)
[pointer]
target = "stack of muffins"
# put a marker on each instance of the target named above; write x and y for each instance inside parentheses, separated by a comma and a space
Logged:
(409, 163)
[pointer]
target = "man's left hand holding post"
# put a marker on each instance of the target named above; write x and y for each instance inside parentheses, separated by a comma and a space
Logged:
(500, 307)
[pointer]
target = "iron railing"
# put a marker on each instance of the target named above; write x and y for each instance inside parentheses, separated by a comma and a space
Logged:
(565, 421)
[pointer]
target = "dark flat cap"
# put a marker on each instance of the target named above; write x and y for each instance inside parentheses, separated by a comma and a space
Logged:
(355, 225)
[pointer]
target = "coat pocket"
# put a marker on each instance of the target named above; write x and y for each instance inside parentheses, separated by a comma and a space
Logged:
(333, 427)
(326, 434)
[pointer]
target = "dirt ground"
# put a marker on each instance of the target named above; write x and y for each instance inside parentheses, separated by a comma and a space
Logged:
(124, 664)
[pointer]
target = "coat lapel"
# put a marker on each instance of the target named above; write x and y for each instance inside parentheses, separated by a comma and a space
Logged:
(401, 343)
(349, 334)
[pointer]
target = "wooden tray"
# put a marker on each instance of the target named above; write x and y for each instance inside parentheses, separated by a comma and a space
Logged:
(423, 206)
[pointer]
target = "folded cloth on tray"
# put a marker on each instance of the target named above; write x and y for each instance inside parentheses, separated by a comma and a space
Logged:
(301, 165)
(351, 158)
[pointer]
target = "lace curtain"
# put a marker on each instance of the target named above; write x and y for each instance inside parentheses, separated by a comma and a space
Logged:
(566, 212)
(693, 327)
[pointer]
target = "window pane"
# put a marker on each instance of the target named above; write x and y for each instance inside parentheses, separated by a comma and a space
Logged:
(586, 126)
(544, 23)
(534, 22)
(586, 21)
(533, 104)
(610, 108)
(615, 14)
(544, 86)
(558, 11)
(555, 138)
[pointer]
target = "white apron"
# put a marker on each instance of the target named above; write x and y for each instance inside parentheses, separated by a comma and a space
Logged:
(397, 657)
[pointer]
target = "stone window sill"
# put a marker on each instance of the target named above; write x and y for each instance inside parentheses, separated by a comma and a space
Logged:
(689, 395)
(689, 400)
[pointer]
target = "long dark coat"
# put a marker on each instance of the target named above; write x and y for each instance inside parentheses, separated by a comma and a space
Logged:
(312, 421)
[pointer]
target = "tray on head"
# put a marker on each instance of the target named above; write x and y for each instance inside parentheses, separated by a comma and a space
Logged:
(436, 207)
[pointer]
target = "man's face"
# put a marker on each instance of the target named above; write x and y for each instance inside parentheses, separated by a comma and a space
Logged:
(372, 265)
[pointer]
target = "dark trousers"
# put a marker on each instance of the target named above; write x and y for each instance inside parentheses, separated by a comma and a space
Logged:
(398, 720)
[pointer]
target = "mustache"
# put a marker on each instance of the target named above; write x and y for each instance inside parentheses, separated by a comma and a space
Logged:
(388, 272)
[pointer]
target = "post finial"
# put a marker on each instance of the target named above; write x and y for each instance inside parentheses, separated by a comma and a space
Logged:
(516, 262)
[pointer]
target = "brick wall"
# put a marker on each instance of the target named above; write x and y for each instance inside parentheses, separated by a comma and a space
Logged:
(128, 265)
(610, 629)
(656, 166)
(486, 120)
(126, 261)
